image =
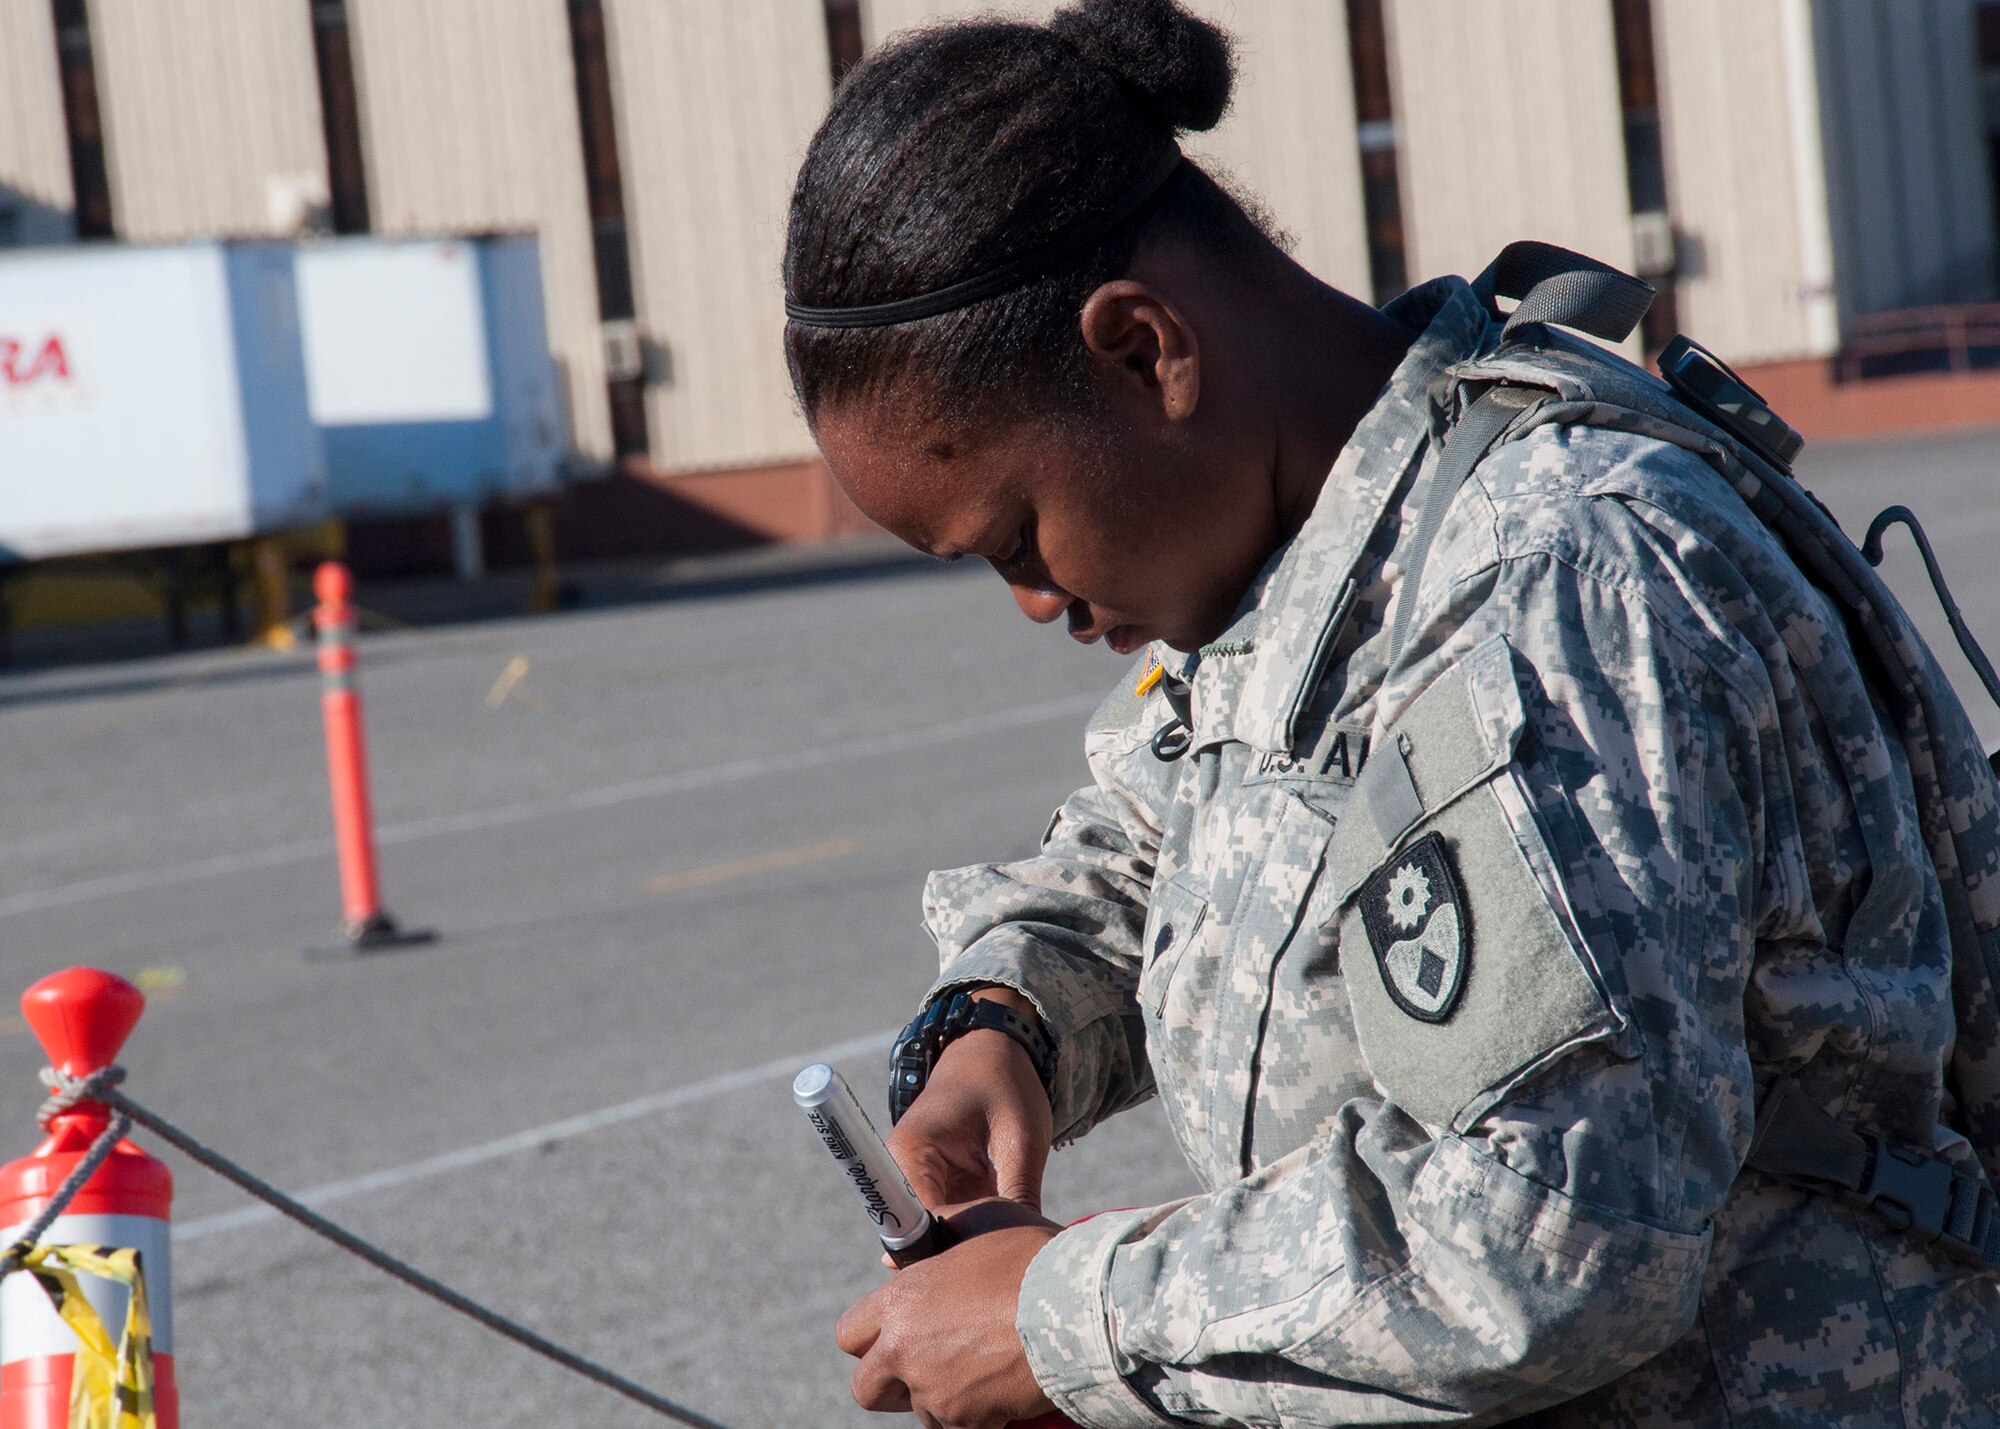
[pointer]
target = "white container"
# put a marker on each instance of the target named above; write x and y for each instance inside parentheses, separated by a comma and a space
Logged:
(429, 371)
(151, 397)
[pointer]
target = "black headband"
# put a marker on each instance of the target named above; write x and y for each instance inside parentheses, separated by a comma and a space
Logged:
(1016, 273)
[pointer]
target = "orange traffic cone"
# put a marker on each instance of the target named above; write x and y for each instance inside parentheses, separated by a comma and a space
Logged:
(82, 1017)
(365, 926)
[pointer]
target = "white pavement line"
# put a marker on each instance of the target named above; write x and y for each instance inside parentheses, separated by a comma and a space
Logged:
(540, 1136)
(116, 883)
(736, 771)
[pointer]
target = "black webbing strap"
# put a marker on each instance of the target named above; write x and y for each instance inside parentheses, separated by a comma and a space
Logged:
(1915, 1191)
(1464, 445)
(1555, 285)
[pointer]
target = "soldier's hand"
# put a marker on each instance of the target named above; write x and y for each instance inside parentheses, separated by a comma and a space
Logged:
(938, 1340)
(982, 1125)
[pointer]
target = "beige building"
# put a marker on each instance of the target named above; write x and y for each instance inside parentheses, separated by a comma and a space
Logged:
(37, 202)
(1785, 170)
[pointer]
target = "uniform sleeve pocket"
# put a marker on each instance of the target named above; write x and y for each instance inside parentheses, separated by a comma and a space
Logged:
(1173, 925)
(1460, 953)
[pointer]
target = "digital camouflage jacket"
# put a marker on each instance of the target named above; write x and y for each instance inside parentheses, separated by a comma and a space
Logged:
(1459, 980)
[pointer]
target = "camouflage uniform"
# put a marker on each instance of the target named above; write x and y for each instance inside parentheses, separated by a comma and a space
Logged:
(1459, 977)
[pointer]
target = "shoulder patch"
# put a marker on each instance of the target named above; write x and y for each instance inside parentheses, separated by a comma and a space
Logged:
(1416, 922)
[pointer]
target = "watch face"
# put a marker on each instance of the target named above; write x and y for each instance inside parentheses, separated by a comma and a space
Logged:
(915, 1052)
(933, 1029)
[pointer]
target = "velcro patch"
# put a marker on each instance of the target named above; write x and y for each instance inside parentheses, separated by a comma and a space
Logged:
(1442, 867)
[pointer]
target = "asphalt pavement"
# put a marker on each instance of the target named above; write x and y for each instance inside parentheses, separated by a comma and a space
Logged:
(673, 842)
(674, 848)
(1951, 482)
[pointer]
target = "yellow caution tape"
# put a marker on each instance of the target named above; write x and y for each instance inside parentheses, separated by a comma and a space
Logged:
(1155, 672)
(111, 1386)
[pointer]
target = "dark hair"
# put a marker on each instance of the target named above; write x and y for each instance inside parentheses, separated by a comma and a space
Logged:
(958, 148)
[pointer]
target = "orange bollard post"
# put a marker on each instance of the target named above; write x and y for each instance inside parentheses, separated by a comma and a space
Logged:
(365, 926)
(82, 1017)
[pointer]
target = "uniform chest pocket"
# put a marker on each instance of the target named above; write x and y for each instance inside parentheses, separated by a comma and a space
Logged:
(1175, 922)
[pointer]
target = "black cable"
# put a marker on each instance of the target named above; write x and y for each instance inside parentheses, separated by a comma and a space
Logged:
(1871, 551)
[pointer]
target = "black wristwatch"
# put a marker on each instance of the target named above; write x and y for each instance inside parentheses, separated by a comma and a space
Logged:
(944, 1022)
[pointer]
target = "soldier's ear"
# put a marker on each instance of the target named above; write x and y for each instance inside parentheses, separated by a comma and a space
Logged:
(1144, 350)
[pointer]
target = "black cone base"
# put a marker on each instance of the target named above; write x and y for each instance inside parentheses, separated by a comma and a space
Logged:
(378, 934)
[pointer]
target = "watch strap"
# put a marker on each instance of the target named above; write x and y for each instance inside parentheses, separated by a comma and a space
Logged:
(944, 1022)
(982, 1013)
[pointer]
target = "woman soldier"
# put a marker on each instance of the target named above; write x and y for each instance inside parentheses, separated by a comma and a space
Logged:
(1458, 920)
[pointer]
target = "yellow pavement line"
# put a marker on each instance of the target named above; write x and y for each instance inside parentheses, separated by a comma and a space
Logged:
(516, 671)
(756, 863)
(790, 760)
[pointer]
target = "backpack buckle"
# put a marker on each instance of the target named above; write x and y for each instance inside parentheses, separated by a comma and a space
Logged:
(1926, 1197)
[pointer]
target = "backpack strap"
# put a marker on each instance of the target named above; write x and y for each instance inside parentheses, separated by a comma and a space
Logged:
(1917, 1191)
(1468, 441)
(1554, 285)
(1549, 285)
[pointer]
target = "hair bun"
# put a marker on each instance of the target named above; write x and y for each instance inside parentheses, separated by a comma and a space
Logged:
(1175, 68)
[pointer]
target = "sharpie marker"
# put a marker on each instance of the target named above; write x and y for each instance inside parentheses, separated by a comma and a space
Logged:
(908, 1231)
